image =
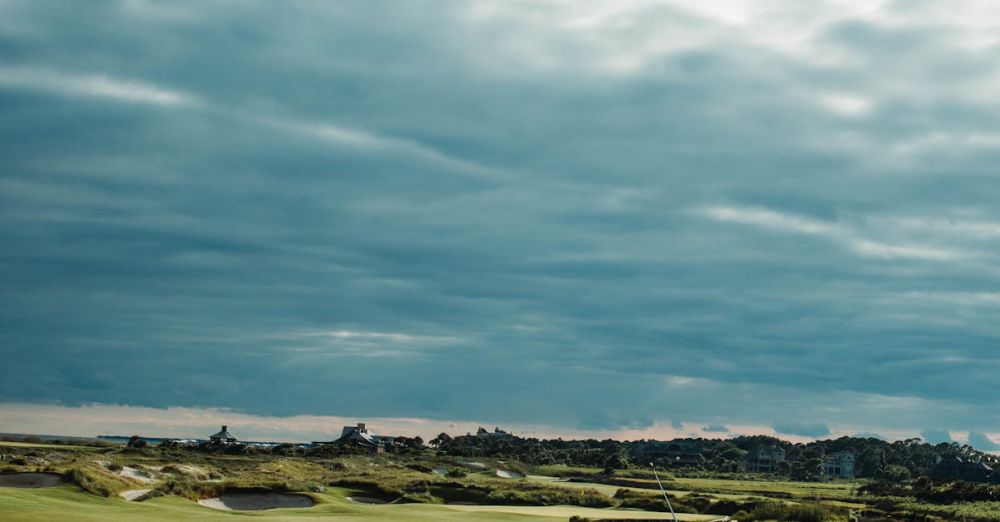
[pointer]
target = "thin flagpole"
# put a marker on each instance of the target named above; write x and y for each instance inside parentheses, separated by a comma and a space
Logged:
(658, 483)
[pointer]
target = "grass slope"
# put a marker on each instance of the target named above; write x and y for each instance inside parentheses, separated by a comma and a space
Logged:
(793, 490)
(70, 503)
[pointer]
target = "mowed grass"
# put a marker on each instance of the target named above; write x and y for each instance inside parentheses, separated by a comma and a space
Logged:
(68, 502)
(610, 490)
(841, 490)
(565, 512)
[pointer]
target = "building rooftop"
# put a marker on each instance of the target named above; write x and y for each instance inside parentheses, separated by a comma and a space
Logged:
(223, 434)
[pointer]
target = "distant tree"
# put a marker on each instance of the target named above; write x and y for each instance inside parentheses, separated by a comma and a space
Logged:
(615, 461)
(729, 466)
(734, 454)
(238, 449)
(441, 439)
(408, 443)
(810, 465)
(895, 474)
(922, 484)
(136, 441)
(286, 449)
(803, 461)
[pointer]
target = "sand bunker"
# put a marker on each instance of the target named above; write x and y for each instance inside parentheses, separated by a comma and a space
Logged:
(137, 474)
(30, 480)
(440, 471)
(134, 494)
(473, 465)
(257, 501)
(509, 474)
(367, 500)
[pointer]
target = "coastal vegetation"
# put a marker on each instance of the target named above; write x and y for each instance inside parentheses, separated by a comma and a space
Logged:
(173, 482)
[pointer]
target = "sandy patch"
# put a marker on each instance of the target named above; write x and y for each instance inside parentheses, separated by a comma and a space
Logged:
(473, 465)
(367, 500)
(440, 471)
(133, 494)
(30, 480)
(137, 474)
(257, 501)
(509, 474)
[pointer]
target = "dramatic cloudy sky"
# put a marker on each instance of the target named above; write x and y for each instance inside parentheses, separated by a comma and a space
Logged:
(610, 217)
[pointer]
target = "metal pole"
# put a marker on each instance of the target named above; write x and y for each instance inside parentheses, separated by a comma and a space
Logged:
(658, 483)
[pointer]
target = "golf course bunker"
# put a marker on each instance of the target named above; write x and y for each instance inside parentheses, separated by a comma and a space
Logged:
(30, 480)
(137, 474)
(257, 501)
(479, 466)
(133, 494)
(509, 474)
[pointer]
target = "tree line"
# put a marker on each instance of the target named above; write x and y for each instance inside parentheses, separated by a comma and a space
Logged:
(874, 458)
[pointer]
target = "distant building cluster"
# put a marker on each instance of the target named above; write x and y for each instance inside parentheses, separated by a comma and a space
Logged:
(225, 439)
(497, 433)
(359, 436)
(957, 468)
(766, 458)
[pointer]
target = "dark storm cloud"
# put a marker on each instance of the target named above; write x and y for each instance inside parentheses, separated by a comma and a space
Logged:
(343, 208)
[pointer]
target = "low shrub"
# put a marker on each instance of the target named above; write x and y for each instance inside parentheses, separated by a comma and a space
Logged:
(653, 502)
(95, 482)
(420, 468)
(788, 513)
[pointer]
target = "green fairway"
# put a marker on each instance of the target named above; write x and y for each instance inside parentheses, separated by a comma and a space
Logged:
(67, 502)
(610, 490)
(794, 490)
